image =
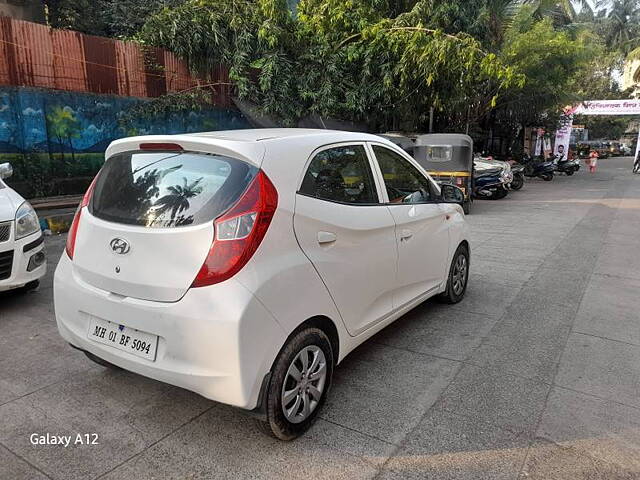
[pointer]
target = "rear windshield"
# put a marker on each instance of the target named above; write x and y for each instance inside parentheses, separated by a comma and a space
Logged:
(439, 153)
(168, 189)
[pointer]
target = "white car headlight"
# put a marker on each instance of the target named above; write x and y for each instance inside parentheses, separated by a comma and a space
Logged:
(26, 221)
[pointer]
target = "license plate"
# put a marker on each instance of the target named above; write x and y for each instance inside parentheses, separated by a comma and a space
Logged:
(136, 342)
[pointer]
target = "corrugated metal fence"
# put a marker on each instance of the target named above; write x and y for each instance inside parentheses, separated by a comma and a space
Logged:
(34, 55)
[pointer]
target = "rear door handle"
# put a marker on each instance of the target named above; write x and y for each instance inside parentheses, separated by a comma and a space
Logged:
(406, 234)
(326, 237)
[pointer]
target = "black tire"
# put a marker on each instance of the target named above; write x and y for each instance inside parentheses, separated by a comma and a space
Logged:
(277, 424)
(466, 207)
(517, 183)
(547, 177)
(452, 295)
(100, 361)
(569, 172)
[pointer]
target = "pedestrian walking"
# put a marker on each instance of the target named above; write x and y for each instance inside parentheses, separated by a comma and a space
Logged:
(592, 161)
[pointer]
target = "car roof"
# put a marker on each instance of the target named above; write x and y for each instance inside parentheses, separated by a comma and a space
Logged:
(249, 144)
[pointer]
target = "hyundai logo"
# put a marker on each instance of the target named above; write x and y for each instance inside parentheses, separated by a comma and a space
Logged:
(119, 246)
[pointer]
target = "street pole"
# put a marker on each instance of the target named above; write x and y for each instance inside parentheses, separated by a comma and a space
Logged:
(431, 120)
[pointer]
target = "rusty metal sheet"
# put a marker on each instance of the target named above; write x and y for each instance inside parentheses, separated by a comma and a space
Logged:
(35, 55)
(100, 57)
(131, 74)
(8, 65)
(68, 61)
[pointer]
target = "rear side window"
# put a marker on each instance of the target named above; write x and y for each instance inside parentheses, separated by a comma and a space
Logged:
(168, 189)
(340, 174)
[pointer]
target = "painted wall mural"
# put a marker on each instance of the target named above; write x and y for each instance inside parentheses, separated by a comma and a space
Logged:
(56, 140)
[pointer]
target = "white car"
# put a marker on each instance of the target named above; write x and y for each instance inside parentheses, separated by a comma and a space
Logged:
(22, 258)
(245, 265)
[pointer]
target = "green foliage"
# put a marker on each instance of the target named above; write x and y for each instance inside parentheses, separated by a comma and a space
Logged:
(107, 18)
(549, 59)
(188, 101)
(341, 58)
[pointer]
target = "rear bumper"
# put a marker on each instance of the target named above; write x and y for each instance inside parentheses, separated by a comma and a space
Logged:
(23, 250)
(218, 341)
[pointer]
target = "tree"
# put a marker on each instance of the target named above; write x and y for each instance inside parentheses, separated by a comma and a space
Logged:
(62, 124)
(106, 18)
(334, 58)
(620, 24)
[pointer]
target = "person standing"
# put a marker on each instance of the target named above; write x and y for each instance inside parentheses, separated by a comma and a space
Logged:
(593, 161)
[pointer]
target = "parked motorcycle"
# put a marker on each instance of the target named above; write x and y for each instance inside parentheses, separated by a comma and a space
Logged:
(568, 167)
(489, 183)
(536, 168)
(518, 176)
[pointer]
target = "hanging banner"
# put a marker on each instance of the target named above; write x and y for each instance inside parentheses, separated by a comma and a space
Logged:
(538, 148)
(609, 107)
(563, 136)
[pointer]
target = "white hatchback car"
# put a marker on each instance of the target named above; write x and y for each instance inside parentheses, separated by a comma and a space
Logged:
(22, 258)
(244, 265)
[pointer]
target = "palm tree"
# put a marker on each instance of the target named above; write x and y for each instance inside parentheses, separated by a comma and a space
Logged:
(621, 25)
(177, 201)
(562, 12)
(496, 16)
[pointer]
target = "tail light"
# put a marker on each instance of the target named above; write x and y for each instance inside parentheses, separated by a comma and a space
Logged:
(239, 232)
(73, 230)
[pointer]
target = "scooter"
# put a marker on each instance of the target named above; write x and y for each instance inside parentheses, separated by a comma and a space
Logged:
(535, 168)
(518, 176)
(569, 167)
(489, 184)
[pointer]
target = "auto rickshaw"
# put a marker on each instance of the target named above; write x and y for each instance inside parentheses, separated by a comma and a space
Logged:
(405, 143)
(448, 158)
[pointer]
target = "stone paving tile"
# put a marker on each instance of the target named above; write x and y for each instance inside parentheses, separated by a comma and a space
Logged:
(224, 444)
(448, 446)
(432, 329)
(14, 468)
(556, 286)
(383, 391)
(487, 298)
(20, 419)
(523, 355)
(47, 362)
(605, 368)
(610, 309)
(120, 399)
(507, 401)
(596, 432)
(617, 262)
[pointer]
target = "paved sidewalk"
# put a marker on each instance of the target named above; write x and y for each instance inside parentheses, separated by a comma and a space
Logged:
(536, 374)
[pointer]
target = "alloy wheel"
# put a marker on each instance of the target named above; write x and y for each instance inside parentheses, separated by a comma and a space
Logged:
(459, 274)
(303, 384)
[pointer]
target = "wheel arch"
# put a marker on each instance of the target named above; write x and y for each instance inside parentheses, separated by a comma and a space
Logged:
(325, 324)
(322, 322)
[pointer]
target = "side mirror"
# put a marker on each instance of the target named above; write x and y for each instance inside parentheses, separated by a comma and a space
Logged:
(6, 170)
(451, 194)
